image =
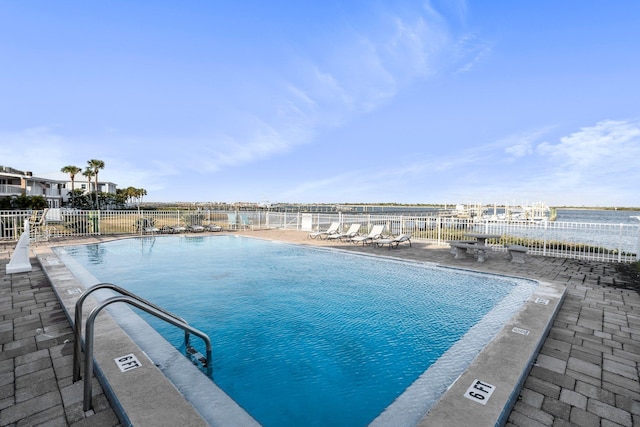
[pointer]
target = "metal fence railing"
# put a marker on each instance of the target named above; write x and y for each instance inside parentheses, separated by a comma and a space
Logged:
(590, 241)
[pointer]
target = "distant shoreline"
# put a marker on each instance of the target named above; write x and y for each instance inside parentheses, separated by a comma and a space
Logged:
(598, 209)
(390, 204)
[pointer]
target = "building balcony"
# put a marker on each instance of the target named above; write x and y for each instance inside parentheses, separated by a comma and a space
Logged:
(10, 190)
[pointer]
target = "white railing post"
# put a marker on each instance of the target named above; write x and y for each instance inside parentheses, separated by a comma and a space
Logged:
(637, 251)
(544, 238)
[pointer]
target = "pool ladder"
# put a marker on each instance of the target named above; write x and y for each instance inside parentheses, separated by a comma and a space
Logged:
(136, 301)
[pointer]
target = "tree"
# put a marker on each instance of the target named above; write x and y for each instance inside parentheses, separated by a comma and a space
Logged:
(89, 173)
(72, 171)
(83, 200)
(96, 166)
(132, 193)
(139, 193)
(39, 203)
(28, 202)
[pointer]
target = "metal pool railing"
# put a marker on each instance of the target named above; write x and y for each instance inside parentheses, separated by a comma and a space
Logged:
(128, 361)
(590, 241)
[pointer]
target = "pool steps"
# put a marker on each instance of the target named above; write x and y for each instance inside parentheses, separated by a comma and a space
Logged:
(132, 299)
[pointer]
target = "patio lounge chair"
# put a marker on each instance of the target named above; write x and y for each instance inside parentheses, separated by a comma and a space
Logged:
(351, 232)
(172, 229)
(374, 234)
(395, 241)
(333, 229)
(146, 225)
(195, 228)
(213, 227)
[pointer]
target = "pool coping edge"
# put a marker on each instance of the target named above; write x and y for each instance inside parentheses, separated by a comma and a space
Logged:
(505, 370)
(131, 395)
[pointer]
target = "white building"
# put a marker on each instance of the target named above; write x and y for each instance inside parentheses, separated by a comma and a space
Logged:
(14, 182)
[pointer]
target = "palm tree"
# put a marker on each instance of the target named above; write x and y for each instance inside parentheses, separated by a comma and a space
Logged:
(72, 171)
(95, 166)
(89, 173)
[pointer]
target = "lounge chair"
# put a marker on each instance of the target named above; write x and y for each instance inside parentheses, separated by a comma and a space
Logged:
(333, 229)
(195, 228)
(351, 232)
(394, 242)
(374, 234)
(172, 229)
(213, 227)
(146, 225)
(179, 228)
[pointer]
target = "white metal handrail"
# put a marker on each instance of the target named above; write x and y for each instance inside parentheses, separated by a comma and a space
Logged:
(137, 302)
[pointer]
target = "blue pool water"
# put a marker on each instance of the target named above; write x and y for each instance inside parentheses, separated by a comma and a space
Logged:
(306, 336)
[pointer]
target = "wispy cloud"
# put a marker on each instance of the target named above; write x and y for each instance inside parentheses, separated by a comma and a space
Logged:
(597, 162)
(523, 144)
(364, 71)
(608, 144)
(36, 149)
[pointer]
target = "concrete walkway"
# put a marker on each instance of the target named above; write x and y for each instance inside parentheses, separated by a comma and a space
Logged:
(585, 375)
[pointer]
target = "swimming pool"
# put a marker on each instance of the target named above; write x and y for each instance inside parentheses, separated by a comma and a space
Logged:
(272, 302)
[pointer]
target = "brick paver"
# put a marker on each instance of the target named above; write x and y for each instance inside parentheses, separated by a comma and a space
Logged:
(601, 384)
(37, 351)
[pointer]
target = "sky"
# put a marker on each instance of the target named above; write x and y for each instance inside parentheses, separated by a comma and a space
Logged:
(329, 101)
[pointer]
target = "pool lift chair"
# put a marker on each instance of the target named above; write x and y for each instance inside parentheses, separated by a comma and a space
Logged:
(245, 222)
(232, 220)
(130, 298)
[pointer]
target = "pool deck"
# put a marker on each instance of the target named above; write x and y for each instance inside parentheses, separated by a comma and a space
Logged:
(586, 373)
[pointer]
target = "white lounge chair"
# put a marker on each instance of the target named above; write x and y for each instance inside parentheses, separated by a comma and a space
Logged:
(395, 241)
(195, 228)
(151, 230)
(374, 234)
(351, 232)
(172, 229)
(213, 227)
(333, 229)
(147, 225)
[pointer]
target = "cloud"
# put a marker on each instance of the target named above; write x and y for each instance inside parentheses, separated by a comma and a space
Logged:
(36, 149)
(597, 163)
(357, 74)
(304, 189)
(470, 51)
(523, 144)
(609, 144)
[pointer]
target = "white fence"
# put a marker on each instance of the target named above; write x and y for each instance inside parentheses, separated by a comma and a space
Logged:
(589, 241)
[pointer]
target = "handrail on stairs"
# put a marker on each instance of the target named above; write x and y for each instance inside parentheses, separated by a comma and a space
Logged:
(136, 301)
